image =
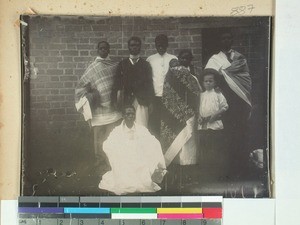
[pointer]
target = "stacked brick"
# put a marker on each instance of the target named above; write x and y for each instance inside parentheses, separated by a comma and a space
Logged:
(62, 47)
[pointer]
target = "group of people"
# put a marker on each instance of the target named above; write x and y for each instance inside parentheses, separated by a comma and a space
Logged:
(148, 114)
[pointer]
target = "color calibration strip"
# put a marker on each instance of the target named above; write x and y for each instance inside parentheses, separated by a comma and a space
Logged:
(152, 210)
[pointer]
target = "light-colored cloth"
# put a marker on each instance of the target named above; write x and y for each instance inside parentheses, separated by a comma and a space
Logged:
(134, 155)
(100, 135)
(236, 73)
(210, 103)
(183, 149)
(188, 153)
(219, 61)
(141, 113)
(98, 79)
(83, 106)
(160, 66)
(134, 59)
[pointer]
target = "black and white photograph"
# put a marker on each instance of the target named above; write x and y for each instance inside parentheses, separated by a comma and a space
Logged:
(146, 106)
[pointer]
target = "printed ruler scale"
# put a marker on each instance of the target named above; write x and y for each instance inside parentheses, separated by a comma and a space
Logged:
(113, 210)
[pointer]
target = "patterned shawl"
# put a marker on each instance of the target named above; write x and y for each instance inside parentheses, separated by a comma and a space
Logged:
(238, 78)
(235, 73)
(98, 78)
(180, 102)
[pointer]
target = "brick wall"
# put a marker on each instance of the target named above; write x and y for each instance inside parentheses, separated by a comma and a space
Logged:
(62, 47)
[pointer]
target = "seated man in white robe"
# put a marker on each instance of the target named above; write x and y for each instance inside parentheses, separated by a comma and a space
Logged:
(135, 156)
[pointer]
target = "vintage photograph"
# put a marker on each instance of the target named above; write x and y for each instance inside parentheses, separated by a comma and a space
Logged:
(146, 106)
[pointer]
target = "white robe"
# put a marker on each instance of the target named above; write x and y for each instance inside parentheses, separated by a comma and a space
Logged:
(134, 154)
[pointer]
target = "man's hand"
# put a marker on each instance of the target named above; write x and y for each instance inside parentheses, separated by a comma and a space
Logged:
(89, 97)
(205, 120)
(213, 118)
(218, 90)
(200, 120)
(158, 175)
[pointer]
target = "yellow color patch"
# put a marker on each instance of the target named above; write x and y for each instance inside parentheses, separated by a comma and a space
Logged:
(179, 210)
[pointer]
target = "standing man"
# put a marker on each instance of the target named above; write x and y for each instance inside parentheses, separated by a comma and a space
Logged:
(133, 83)
(235, 83)
(160, 66)
(94, 90)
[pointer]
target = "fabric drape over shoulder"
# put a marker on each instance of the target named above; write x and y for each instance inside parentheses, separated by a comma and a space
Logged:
(236, 73)
(99, 75)
(98, 80)
(180, 105)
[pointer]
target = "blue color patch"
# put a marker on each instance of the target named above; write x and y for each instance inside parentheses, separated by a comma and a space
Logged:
(87, 210)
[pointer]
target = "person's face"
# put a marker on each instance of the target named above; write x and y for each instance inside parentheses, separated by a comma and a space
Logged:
(226, 41)
(134, 47)
(129, 117)
(103, 50)
(185, 59)
(161, 47)
(209, 82)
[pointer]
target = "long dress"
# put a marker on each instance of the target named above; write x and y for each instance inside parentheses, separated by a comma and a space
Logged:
(134, 155)
(180, 106)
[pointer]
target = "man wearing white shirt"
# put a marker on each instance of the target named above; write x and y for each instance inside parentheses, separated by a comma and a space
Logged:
(160, 66)
(96, 86)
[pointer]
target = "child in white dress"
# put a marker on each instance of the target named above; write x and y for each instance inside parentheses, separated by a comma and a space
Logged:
(212, 105)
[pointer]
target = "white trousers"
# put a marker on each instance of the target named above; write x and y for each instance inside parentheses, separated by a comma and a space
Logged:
(142, 114)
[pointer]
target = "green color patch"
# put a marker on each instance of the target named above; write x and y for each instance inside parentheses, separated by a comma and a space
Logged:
(133, 210)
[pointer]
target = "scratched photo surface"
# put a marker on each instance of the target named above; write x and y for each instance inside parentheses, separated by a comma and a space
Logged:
(189, 137)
